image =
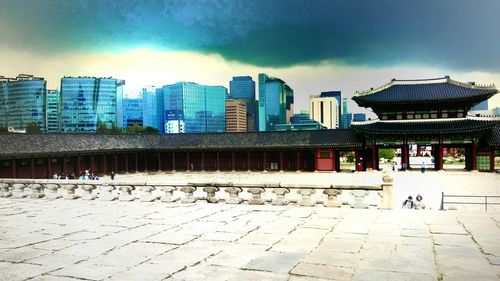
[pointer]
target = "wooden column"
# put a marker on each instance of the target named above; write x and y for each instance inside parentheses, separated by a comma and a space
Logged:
(173, 161)
(233, 166)
(92, 163)
(218, 162)
(188, 164)
(203, 161)
(281, 161)
(374, 157)
(159, 161)
(126, 163)
(115, 164)
(316, 159)
(14, 168)
(65, 168)
(78, 168)
(145, 161)
(49, 167)
(473, 156)
(249, 162)
(264, 160)
(334, 160)
(492, 160)
(32, 164)
(136, 162)
(440, 156)
(104, 164)
(356, 159)
(298, 160)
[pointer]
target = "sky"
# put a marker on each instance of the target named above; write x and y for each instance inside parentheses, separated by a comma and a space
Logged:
(314, 45)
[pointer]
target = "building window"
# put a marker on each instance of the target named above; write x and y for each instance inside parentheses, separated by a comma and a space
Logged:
(324, 154)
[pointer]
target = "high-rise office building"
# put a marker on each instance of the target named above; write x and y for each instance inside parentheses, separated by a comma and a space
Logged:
(132, 112)
(236, 116)
(358, 117)
(22, 101)
(53, 111)
(325, 111)
(201, 108)
(86, 101)
(480, 106)
(346, 119)
(153, 114)
(300, 122)
(338, 96)
(242, 88)
(275, 102)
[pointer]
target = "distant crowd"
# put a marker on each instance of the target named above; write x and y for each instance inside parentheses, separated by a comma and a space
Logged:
(85, 175)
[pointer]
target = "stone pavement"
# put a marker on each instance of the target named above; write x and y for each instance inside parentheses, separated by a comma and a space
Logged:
(95, 240)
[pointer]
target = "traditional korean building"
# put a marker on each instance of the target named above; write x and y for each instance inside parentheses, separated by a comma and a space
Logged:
(426, 112)
(431, 112)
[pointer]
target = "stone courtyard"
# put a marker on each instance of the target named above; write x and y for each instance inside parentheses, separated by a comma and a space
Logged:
(60, 239)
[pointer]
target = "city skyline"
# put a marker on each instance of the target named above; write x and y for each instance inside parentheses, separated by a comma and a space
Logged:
(314, 46)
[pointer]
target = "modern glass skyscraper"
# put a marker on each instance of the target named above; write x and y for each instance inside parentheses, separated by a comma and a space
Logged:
(53, 114)
(242, 88)
(275, 102)
(346, 116)
(152, 100)
(85, 101)
(22, 101)
(202, 108)
(132, 112)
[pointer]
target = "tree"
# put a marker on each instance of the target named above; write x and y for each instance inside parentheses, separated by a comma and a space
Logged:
(387, 153)
(102, 129)
(138, 129)
(150, 130)
(33, 128)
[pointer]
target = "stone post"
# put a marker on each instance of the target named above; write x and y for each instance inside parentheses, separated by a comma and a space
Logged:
(50, 191)
(4, 190)
(211, 190)
(169, 194)
(188, 197)
(126, 193)
(87, 191)
(18, 190)
(233, 195)
(331, 197)
(147, 196)
(256, 195)
(359, 199)
(70, 191)
(280, 196)
(306, 199)
(35, 190)
(387, 194)
(107, 193)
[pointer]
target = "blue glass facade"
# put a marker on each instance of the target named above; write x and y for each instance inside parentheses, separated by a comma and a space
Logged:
(22, 101)
(275, 102)
(85, 101)
(53, 103)
(152, 100)
(243, 88)
(481, 106)
(203, 108)
(358, 117)
(132, 112)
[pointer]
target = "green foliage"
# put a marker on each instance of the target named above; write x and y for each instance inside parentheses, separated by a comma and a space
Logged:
(4, 129)
(33, 128)
(349, 156)
(138, 129)
(102, 129)
(387, 153)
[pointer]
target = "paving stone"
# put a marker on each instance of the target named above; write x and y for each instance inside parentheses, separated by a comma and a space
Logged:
(21, 254)
(380, 275)
(22, 271)
(447, 229)
(275, 262)
(323, 271)
(56, 259)
(398, 264)
(342, 245)
(169, 238)
(259, 238)
(89, 271)
(452, 240)
(325, 257)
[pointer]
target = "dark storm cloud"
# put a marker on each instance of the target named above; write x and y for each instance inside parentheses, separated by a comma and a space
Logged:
(458, 34)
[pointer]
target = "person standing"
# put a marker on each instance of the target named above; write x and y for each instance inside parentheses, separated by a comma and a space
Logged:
(408, 203)
(112, 175)
(419, 204)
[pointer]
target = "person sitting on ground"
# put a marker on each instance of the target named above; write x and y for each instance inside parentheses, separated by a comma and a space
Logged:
(408, 203)
(418, 204)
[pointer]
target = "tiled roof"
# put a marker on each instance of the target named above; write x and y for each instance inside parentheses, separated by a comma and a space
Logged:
(18, 145)
(493, 138)
(415, 127)
(421, 92)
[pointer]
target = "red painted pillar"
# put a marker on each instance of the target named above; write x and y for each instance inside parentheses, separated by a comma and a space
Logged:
(374, 157)
(32, 164)
(203, 161)
(14, 169)
(218, 162)
(78, 168)
(298, 160)
(65, 168)
(115, 164)
(136, 162)
(92, 163)
(188, 162)
(440, 156)
(334, 159)
(316, 159)
(173, 161)
(492, 160)
(126, 163)
(473, 156)
(233, 166)
(265, 161)
(104, 164)
(49, 167)
(159, 161)
(249, 161)
(281, 161)
(145, 161)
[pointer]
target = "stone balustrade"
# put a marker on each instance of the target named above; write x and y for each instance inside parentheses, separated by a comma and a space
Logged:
(212, 192)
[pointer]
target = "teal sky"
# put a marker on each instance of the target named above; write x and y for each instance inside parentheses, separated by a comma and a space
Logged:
(314, 45)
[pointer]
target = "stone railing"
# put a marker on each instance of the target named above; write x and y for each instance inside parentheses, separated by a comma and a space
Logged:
(212, 192)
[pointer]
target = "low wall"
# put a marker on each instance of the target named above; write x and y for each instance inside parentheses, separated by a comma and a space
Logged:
(276, 193)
